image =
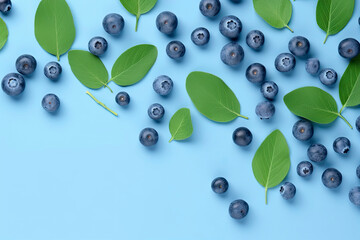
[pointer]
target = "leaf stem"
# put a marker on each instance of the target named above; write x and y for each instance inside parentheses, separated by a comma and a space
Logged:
(266, 190)
(347, 122)
(289, 28)
(100, 103)
(342, 109)
(106, 86)
(58, 57)
(171, 139)
(327, 35)
(242, 116)
(137, 22)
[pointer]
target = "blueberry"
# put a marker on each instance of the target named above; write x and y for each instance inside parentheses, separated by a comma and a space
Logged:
(285, 62)
(148, 137)
(255, 39)
(299, 46)
(354, 196)
(13, 84)
(200, 36)
(342, 145)
(210, 8)
(52, 70)
(256, 73)
(122, 98)
(50, 103)
(98, 46)
(26, 64)
(166, 22)
(269, 89)
(303, 130)
(265, 110)
(163, 85)
(242, 136)
(230, 26)
(156, 111)
(238, 209)
(328, 76)
(5, 6)
(358, 171)
(358, 123)
(349, 48)
(304, 169)
(312, 66)
(219, 185)
(232, 54)
(317, 152)
(113, 23)
(175, 49)
(331, 178)
(288, 191)
(236, 1)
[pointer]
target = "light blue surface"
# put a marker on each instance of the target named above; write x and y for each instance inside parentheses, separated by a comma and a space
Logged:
(83, 175)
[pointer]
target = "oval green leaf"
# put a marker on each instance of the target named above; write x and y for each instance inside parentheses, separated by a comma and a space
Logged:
(4, 33)
(88, 69)
(54, 27)
(212, 97)
(133, 64)
(277, 13)
(138, 7)
(180, 125)
(333, 15)
(271, 162)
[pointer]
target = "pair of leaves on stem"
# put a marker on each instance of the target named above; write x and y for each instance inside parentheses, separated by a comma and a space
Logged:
(129, 68)
(4, 33)
(54, 27)
(138, 7)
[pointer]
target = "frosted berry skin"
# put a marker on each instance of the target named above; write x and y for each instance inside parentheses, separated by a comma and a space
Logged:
(175, 50)
(255, 39)
(357, 124)
(331, 178)
(122, 98)
(98, 46)
(52, 70)
(256, 73)
(312, 66)
(13, 84)
(163, 85)
(265, 110)
(349, 48)
(219, 185)
(299, 46)
(230, 27)
(303, 130)
(113, 24)
(288, 191)
(358, 171)
(26, 64)
(167, 22)
(210, 8)
(148, 137)
(5, 6)
(269, 89)
(200, 36)
(328, 76)
(242, 136)
(232, 54)
(342, 145)
(238, 209)
(156, 111)
(354, 196)
(317, 152)
(285, 62)
(51, 103)
(304, 169)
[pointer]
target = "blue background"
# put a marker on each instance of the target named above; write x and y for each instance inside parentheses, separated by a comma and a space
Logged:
(82, 174)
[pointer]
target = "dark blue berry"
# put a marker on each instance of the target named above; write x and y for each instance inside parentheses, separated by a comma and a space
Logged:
(342, 145)
(303, 130)
(299, 46)
(200, 36)
(113, 23)
(358, 171)
(358, 123)
(210, 8)
(219, 185)
(256, 73)
(238, 209)
(354, 196)
(163, 85)
(156, 111)
(148, 137)
(317, 152)
(175, 49)
(50, 103)
(98, 46)
(13, 84)
(269, 89)
(304, 169)
(285, 62)
(255, 39)
(288, 191)
(52, 70)
(166, 22)
(232, 54)
(349, 48)
(328, 76)
(26, 64)
(331, 178)
(5, 6)
(242, 136)
(265, 110)
(122, 98)
(312, 66)
(230, 26)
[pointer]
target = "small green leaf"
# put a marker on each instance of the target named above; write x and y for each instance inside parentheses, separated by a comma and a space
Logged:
(333, 15)
(180, 125)
(138, 7)
(133, 64)
(349, 87)
(212, 97)
(277, 13)
(54, 27)
(271, 162)
(88, 69)
(3, 33)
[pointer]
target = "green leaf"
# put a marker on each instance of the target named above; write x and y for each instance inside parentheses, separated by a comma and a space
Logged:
(133, 64)
(349, 87)
(88, 69)
(3, 33)
(333, 15)
(212, 97)
(277, 13)
(54, 27)
(138, 7)
(180, 125)
(271, 162)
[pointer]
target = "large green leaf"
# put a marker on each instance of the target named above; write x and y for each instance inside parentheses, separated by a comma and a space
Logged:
(180, 125)
(88, 69)
(277, 13)
(333, 15)
(138, 7)
(271, 162)
(133, 64)
(54, 27)
(3, 33)
(212, 97)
